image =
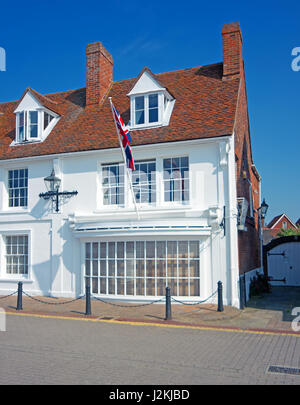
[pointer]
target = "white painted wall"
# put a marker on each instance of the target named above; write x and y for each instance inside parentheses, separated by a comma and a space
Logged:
(56, 244)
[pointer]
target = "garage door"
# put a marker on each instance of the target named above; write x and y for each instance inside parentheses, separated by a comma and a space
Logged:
(284, 262)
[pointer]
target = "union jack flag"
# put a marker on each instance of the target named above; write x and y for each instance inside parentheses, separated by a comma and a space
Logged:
(125, 137)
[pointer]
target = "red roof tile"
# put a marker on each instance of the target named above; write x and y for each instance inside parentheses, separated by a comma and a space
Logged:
(205, 107)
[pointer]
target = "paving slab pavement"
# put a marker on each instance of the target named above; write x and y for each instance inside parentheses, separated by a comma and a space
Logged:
(266, 313)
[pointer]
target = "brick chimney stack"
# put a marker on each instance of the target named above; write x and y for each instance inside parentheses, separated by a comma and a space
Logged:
(99, 73)
(232, 51)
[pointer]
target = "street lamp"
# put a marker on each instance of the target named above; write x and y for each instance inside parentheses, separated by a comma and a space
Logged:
(262, 211)
(52, 183)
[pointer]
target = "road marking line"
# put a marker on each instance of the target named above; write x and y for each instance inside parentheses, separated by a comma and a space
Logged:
(210, 328)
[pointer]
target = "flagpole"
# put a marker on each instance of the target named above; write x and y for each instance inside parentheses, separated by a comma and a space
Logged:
(124, 158)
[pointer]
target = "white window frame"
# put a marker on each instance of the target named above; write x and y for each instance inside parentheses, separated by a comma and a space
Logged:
(134, 259)
(14, 207)
(146, 123)
(3, 269)
(113, 206)
(147, 161)
(175, 202)
(41, 132)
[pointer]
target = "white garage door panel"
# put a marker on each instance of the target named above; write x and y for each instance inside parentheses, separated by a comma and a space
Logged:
(287, 266)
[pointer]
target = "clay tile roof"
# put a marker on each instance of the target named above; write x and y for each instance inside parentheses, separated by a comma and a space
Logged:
(205, 107)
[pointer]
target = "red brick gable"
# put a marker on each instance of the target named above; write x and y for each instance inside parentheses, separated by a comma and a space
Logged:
(277, 222)
(205, 107)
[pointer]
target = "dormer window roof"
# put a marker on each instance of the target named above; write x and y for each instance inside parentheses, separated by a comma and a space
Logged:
(151, 104)
(34, 121)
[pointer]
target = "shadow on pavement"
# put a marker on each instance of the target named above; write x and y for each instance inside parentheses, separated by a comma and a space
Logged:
(281, 298)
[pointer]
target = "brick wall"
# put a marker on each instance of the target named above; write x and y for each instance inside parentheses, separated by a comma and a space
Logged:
(246, 173)
(99, 73)
(232, 50)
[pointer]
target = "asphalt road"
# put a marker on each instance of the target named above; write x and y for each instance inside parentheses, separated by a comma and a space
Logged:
(55, 351)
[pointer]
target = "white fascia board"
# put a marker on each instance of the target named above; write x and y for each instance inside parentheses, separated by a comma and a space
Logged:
(153, 147)
(125, 215)
(145, 84)
(153, 233)
(29, 102)
(284, 215)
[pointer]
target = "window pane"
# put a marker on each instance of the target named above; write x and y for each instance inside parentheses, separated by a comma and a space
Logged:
(153, 100)
(17, 188)
(172, 249)
(113, 184)
(120, 286)
(194, 249)
(150, 286)
(161, 249)
(153, 115)
(176, 179)
(140, 268)
(139, 103)
(182, 249)
(129, 250)
(161, 268)
(150, 249)
(16, 254)
(140, 286)
(172, 268)
(128, 268)
(33, 117)
(139, 117)
(143, 179)
(140, 250)
(33, 131)
(183, 269)
(195, 288)
(129, 286)
(194, 268)
(150, 268)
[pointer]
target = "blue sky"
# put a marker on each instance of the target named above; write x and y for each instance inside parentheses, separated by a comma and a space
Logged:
(45, 45)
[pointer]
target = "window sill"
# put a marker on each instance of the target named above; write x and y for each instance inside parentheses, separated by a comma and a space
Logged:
(16, 280)
(16, 210)
(14, 143)
(146, 126)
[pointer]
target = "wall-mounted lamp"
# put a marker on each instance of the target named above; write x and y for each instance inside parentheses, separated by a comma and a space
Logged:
(52, 183)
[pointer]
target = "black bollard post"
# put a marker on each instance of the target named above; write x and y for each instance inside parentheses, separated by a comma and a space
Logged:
(245, 291)
(242, 297)
(88, 300)
(19, 300)
(220, 297)
(168, 304)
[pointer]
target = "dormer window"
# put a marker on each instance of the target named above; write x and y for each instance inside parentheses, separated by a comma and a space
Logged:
(32, 125)
(151, 104)
(34, 121)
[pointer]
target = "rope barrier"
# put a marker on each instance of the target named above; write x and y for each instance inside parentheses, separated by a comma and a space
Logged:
(9, 295)
(195, 303)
